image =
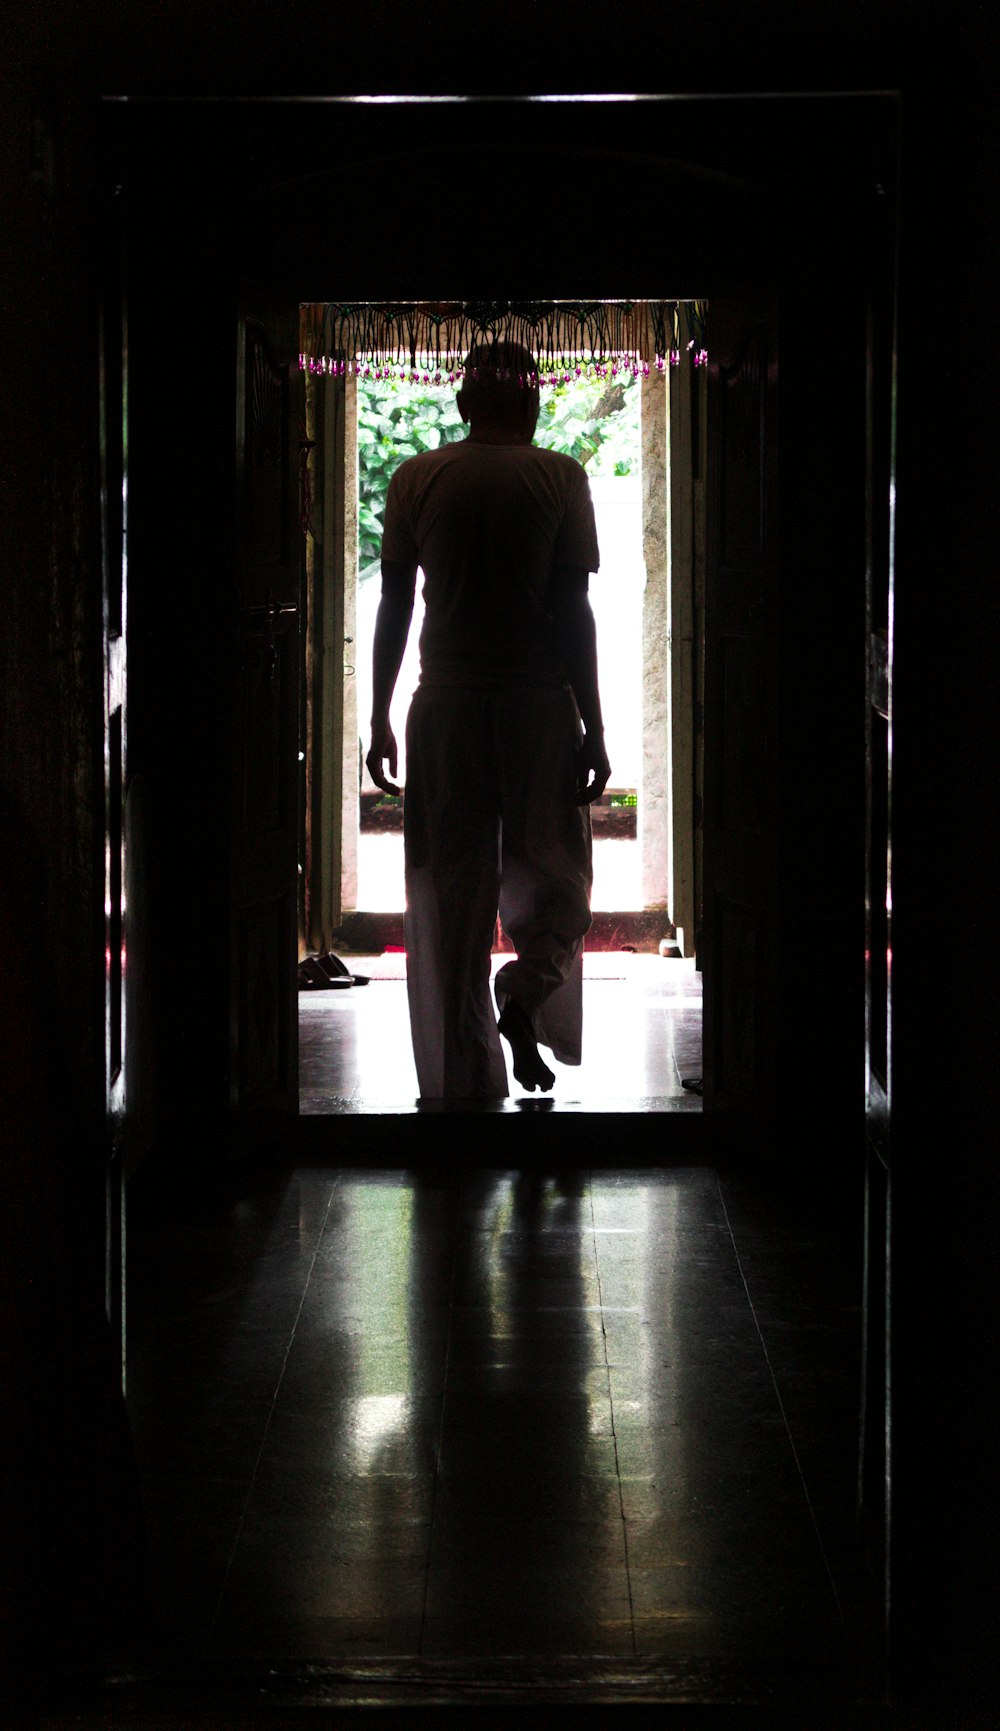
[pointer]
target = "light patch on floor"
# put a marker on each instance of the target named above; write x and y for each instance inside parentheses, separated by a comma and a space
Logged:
(641, 1036)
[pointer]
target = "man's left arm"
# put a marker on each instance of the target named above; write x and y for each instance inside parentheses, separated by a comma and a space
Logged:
(576, 640)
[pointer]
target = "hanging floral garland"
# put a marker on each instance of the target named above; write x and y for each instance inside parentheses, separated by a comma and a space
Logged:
(427, 342)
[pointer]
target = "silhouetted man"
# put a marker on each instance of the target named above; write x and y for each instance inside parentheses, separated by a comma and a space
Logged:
(504, 739)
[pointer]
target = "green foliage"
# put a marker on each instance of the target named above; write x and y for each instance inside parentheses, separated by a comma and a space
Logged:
(394, 421)
(594, 420)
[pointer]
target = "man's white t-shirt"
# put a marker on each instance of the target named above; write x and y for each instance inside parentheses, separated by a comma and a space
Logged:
(488, 524)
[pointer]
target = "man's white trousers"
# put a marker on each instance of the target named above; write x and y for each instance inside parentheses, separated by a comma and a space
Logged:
(491, 824)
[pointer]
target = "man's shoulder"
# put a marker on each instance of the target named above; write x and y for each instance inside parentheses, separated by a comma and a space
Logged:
(561, 464)
(410, 477)
(411, 468)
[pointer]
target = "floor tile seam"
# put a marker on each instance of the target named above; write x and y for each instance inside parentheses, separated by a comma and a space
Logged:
(449, 1336)
(271, 1410)
(614, 1433)
(669, 1040)
(694, 1070)
(784, 1416)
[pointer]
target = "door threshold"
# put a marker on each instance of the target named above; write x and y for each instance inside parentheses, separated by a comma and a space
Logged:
(507, 1132)
(364, 933)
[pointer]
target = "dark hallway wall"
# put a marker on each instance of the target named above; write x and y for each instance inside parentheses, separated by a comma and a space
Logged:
(69, 1532)
(945, 824)
(51, 645)
(944, 802)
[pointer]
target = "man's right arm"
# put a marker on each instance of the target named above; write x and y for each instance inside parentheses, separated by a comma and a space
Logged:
(392, 625)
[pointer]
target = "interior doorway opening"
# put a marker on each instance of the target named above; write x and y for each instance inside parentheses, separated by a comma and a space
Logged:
(642, 445)
(639, 433)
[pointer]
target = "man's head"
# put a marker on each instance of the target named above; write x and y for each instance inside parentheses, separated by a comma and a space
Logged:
(497, 394)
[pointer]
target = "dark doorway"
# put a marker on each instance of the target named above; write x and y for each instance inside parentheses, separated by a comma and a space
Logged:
(735, 198)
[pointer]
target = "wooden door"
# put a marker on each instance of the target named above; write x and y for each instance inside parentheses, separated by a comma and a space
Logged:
(741, 811)
(113, 377)
(264, 817)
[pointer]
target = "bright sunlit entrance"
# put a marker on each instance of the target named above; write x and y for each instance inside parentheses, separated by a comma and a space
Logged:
(597, 421)
(633, 417)
(629, 406)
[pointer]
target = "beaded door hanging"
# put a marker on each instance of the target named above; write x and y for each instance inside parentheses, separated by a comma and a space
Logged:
(427, 342)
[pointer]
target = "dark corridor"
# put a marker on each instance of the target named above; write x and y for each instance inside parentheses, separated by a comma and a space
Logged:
(398, 1427)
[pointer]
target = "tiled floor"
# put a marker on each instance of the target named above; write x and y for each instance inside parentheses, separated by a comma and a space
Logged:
(490, 1424)
(642, 1038)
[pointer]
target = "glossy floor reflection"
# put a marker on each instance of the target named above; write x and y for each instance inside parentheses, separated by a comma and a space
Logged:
(502, 1419)
(641, 1040)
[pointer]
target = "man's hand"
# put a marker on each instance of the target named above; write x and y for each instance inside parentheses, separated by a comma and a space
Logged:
(383, 750)
(575, 636)
(592, 769)
(392, 625)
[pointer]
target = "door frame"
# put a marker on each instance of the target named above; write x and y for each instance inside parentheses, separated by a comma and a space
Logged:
(743, 234)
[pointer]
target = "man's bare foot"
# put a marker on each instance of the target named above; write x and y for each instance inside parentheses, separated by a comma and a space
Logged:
(529, 1068)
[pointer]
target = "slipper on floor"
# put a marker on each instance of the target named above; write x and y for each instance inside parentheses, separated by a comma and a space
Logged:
(313, 977)
(327, 973)
(339, 971)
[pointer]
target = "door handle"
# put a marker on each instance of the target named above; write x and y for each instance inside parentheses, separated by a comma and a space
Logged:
(265, 613)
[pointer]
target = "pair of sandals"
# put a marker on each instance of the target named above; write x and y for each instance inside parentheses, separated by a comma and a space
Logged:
(327, 973)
